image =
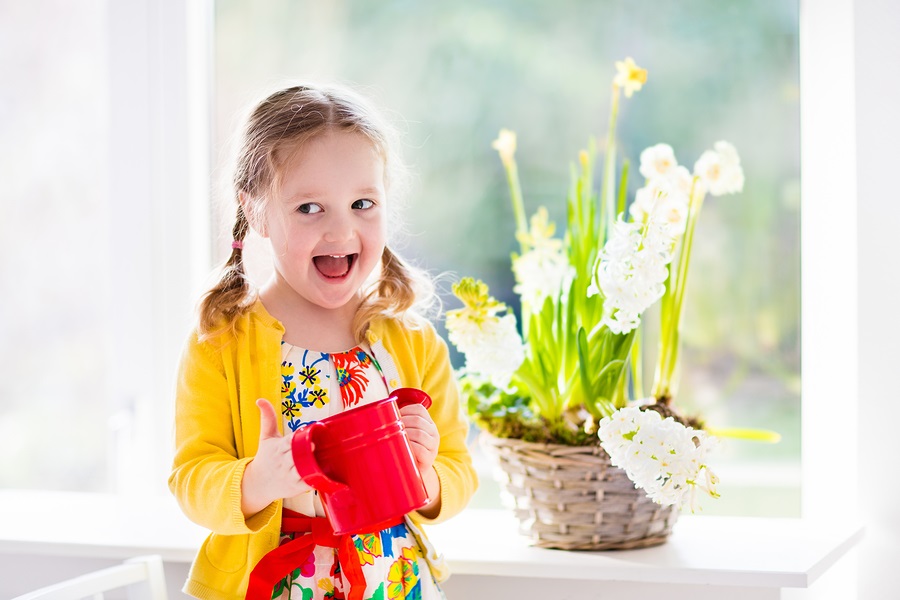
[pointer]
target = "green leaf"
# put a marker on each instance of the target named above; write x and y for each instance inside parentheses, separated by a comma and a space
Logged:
(584, 363)
(609, 377)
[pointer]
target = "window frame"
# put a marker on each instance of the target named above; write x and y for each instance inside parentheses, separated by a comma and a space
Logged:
(159, 164)
(828, 253)
(163, 50)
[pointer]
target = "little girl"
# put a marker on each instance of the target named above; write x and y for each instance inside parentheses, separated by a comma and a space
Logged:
(333, 328)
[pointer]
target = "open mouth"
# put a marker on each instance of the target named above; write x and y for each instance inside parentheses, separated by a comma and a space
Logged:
(334, 266)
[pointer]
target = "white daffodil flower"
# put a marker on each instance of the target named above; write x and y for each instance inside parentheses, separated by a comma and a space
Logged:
(720, 170)
(629, 77)
(658, 162)
(505, 145)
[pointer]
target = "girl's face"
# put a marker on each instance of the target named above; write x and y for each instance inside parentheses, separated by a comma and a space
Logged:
(327, 226)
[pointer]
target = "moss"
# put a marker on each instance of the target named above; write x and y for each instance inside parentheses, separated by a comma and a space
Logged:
(536, 430)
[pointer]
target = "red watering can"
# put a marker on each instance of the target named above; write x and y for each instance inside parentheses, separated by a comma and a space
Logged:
(361, 464)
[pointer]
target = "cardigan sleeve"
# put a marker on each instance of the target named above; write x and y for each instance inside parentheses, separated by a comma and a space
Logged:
(453, 463)
(207, 471)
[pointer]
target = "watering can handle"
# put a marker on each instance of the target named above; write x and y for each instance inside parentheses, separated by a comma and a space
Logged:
(407, 396)
(302, 450)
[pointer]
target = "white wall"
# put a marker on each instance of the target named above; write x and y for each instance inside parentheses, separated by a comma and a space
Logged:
(877, 28)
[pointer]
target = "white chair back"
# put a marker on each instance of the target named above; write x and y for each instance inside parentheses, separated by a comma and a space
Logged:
(143, 577)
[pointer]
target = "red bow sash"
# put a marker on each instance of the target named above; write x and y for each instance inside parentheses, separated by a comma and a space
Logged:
(317, 531)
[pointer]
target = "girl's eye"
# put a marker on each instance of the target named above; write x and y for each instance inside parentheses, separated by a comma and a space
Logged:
(309, 208)
(363, 204)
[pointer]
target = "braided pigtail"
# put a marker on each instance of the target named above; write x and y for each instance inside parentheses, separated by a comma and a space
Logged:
(402, 292)
(228, 299)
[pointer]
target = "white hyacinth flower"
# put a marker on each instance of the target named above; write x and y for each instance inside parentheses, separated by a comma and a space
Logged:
(544, 269)
(632, 270)
(492, 349)
(540, 273)
(489, 340)
(661, 456)
(720, 170)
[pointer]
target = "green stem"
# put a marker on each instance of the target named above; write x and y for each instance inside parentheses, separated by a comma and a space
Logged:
(518, 204)
(665, 314)
(637, 364)
(623, 188)
(581, 234)
(666, 384)
(608, 189)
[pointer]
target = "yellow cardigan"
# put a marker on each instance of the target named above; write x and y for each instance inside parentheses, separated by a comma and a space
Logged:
(217, 434)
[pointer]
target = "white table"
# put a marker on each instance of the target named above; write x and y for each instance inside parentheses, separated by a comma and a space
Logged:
(705, 558)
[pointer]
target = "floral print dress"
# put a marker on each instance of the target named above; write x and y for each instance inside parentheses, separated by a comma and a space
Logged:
(316, 385)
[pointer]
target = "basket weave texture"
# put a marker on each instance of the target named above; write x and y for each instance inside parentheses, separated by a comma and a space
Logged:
(572, 498)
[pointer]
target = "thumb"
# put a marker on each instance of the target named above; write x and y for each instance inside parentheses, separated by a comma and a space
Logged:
(268, 420)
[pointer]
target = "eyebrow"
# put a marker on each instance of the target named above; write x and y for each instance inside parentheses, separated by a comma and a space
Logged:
(362, 192)
(369, 191)
(303, 196)
(312, 196)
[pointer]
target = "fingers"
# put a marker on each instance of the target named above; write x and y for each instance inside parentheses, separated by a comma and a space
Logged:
(420, 429)
(423, 436)
(268, 420)
(414, 409)
(415, 416)
(424, 453)
(429, 439)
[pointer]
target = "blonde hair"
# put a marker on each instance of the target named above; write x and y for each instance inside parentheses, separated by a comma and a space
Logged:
(275, 129)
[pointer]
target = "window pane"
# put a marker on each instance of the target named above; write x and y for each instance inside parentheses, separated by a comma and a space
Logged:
(458, 72)
(55, 288)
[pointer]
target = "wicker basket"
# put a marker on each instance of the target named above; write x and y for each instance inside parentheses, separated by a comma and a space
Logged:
(572, 498)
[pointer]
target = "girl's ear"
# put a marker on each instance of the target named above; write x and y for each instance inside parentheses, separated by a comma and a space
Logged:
(252, 212)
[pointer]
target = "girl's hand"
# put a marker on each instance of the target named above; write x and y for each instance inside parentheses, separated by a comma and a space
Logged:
(422, 433)
(271, 474)
(424, 440)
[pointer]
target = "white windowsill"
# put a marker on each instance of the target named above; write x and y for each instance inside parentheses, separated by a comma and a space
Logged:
(753, 553)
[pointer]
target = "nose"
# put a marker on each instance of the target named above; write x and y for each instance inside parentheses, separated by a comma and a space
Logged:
(338, 228)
